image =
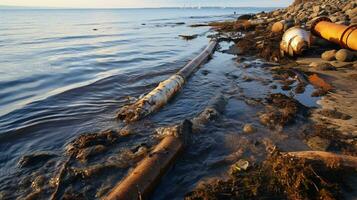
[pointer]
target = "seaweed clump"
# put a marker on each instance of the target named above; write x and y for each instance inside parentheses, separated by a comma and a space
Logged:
(281, 110)
(279, 177)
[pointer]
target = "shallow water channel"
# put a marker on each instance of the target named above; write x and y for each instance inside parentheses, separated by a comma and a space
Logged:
(209, 153)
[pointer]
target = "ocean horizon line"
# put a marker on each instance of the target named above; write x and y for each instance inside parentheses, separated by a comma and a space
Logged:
(8, 7)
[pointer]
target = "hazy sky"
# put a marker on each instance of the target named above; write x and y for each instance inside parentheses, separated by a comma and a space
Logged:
(144, 3)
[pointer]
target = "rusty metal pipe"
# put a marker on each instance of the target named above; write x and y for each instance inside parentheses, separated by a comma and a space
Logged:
(146, 175)
(346, 36)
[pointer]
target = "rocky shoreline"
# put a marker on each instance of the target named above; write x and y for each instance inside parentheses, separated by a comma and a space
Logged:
(332, 70)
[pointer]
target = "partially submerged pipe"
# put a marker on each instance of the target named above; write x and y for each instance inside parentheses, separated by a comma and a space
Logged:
(346, 36)
(165, 90)
(146, 175)
(295, 41)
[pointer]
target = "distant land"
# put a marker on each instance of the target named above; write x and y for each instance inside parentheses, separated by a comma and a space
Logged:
(23, 7)
(6, 7)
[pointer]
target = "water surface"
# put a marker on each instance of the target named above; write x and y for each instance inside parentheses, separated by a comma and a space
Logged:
(66, 72)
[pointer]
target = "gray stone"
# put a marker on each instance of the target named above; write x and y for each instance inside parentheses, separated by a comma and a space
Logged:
(316, 9)
(318, 143)
(328, 55)
(344, 55)
(352, 12)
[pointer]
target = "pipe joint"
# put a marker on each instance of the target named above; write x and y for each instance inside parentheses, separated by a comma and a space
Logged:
(316, 21)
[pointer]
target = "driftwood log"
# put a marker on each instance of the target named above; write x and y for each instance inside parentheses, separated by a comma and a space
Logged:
(143, 179)
(165, 90)
(327, 157)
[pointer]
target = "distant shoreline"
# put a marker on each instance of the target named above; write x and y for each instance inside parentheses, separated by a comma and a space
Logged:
(90, 8)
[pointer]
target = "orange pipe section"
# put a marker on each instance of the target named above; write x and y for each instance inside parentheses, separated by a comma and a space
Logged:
(346, 36)
(142, 180)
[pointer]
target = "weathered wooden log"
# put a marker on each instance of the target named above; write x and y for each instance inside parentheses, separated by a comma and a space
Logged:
(142, 180)
(327, 157)
(165, 90)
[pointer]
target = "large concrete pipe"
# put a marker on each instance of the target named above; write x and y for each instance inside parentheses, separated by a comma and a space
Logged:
(346, 36)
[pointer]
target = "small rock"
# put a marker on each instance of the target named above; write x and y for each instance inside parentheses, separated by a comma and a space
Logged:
(241, 165)
(278, 27)
(344, 55)
(38, 183)
(322, 66)
(334, 114)
(248, 128)
(316, 9)
(233, 50)
(318, 143)
(328, 55)
(326, 67)
(245, 17)
(352, 12)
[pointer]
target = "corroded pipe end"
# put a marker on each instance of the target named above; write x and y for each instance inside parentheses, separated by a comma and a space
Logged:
(316, 21)
(295, 40)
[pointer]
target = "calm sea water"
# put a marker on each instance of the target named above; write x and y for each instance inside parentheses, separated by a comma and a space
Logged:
(66, 72)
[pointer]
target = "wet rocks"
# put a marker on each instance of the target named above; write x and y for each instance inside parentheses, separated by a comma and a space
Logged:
(234, 50)
(334, 114)
(329, 55)
(38, 183)
(245, 17)
(344, 55)
(87, 140)
(322, 66)
(241, 165)
(248, 128)
(318, 143)
(84, 154)
(35, 159)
